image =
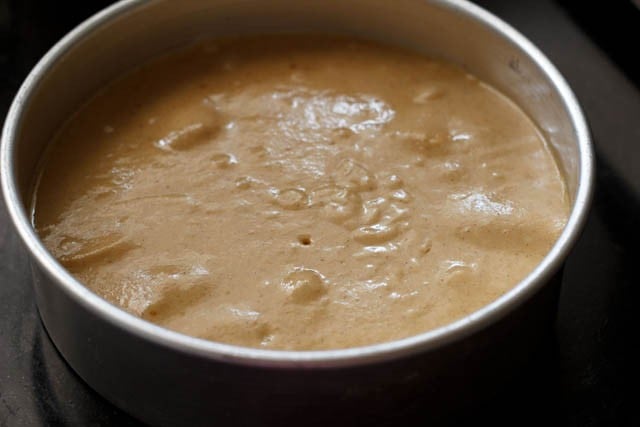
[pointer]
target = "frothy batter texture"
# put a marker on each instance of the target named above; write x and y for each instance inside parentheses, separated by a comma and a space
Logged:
(299, 192)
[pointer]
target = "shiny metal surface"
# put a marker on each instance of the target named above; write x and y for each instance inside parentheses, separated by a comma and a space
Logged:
(163, 377)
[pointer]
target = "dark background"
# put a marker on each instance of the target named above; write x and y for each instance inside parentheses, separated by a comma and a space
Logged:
(588, 375)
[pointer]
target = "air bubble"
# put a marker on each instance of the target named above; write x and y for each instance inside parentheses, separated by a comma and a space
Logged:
(188, 137)
(355, 176)
(392, 182)
(425, 246)
(375, 234)
(304, 285)
(292, 198)
(223, 160)
(304, 239)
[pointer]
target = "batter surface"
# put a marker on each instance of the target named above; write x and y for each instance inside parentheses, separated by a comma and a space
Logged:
(299, 192)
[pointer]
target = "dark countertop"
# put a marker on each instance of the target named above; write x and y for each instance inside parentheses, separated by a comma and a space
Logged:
(589, 373)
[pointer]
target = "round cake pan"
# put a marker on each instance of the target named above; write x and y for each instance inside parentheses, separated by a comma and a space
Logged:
(166, 378)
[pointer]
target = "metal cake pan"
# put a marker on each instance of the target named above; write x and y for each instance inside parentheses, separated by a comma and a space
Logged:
(165, 378)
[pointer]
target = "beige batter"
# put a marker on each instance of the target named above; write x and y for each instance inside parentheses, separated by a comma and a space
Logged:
(299, 193)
